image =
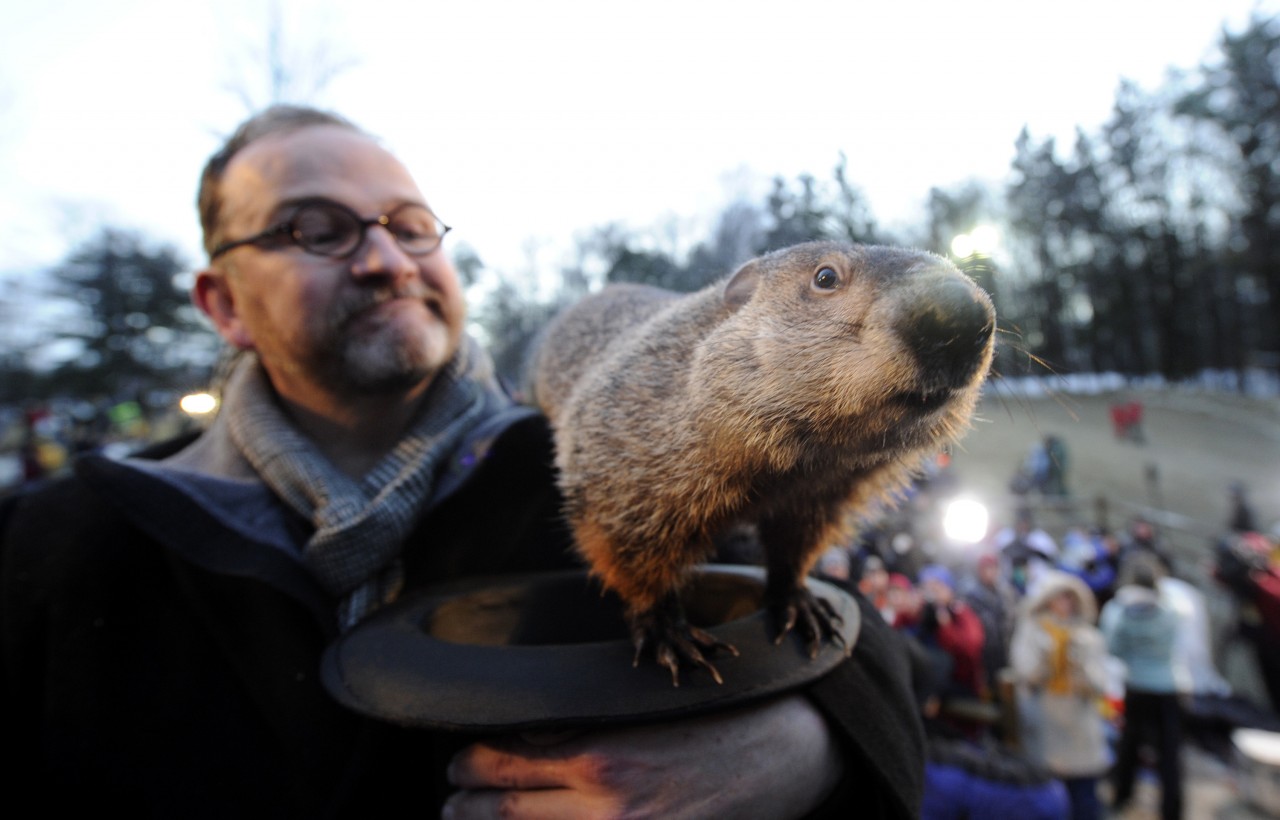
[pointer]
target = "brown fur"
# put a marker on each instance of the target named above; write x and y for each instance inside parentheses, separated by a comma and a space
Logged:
(762, 398)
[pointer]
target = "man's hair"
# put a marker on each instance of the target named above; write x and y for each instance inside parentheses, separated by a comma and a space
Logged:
(278, 119)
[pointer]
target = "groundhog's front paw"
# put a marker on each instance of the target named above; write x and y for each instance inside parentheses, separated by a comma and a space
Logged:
(674, 640)
(813, 618)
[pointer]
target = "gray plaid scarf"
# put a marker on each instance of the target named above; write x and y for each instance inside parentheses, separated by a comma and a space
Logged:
(360, 524)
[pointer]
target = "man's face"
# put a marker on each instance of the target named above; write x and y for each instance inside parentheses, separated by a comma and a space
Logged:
(379, 321)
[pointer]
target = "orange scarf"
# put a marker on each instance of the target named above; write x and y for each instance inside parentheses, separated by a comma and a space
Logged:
(1059, 682)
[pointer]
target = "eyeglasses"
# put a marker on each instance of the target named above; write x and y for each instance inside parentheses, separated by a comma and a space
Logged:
(328, 228)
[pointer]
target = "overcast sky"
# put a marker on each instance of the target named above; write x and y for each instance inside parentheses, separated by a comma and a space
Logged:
(531, 121)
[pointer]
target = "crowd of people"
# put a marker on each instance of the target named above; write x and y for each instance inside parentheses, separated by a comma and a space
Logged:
(1072, 654)
(42, 440)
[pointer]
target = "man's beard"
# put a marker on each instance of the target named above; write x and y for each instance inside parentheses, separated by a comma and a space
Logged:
(384, 358)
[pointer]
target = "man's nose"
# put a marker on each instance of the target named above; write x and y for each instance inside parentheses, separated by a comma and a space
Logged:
(381, 255)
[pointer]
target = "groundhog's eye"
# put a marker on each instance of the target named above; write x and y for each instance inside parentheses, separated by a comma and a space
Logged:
(826, 279)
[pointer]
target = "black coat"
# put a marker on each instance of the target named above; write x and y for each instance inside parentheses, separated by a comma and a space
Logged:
(154, 660)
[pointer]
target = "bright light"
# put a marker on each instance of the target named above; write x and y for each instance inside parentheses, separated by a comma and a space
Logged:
(985, 239)
(965, 521)
(982, 240)
(198, 404)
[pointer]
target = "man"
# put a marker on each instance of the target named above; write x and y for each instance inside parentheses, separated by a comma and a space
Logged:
(162, 619)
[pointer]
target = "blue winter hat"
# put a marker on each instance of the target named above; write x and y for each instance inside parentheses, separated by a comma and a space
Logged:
(937, 572)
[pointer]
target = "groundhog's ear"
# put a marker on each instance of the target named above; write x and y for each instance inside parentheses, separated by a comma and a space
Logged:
(738, 290)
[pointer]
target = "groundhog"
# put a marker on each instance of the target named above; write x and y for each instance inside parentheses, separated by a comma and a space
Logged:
(793, 394)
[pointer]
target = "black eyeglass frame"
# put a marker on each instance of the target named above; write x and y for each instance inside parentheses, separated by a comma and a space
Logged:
(288, 230)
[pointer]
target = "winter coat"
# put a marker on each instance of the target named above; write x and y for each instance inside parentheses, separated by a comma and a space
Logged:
(996, 608)
(1143, 633)
(961, 637)
(1061, 670)
(964, 781)
(159, 659)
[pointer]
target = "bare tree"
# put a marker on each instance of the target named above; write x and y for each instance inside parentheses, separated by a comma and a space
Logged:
(288, 66)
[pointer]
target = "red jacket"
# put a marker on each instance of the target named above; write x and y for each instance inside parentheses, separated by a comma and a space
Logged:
(962, 638)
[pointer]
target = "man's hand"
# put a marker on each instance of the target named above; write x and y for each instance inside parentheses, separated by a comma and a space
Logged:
(772, 760)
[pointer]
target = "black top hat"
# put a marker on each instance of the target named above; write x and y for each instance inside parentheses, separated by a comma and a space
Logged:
(548, 650)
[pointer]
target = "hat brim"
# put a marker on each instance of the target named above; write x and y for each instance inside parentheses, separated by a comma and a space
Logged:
(548, 650)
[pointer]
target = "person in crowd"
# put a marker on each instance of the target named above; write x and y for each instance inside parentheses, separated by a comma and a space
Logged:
(1026, 551)
(835, 566)
(874, 586)
(1195, 672)
(1249, 565)
(34, 466)
(965, 780)
(1055, 475)
(1142, 632)
(995, 602)
(1093, 557)
(33, 469)
(1242, 518)
(1141, 539)
(931, 666)
(1032, 472)
(1126, 419)
(1059, 661)
(164, 617)
(1043, 470)
(903, 601)
(950, 625)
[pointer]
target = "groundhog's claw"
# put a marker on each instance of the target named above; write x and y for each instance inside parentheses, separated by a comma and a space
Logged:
(814, 618)
(674, 640)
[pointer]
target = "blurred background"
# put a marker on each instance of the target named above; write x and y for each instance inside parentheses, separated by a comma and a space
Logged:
(1110, 172)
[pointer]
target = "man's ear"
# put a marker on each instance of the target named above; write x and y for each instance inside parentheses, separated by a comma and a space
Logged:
(213, 296)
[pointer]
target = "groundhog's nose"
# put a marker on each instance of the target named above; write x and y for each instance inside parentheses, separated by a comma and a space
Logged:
(948, 326)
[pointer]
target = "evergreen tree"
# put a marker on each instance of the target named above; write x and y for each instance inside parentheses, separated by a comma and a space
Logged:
(134, 327)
